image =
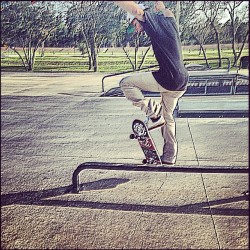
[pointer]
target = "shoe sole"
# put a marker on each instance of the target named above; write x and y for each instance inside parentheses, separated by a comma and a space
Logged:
(168, 163)
(157, 126)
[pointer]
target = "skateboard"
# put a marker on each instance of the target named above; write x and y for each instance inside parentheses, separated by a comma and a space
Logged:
(141, 133)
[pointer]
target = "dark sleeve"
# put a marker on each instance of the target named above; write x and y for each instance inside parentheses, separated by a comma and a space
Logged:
(151, 23)
(159, 24)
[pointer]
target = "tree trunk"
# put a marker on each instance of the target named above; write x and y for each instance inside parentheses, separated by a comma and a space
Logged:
(88, 48)
(144, 57)
(94, 56)
(42, 52)
(205, 56)
(30, 63)
(126, 53)
(90, 62)
(33, 58)
(233, 40)
(14, 49)
(136, 56)
(218, 45)
(137, 45)
(203, 50)
(241, 49)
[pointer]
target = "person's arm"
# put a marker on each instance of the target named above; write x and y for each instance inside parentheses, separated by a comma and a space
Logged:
(131, 7)
(159, 6)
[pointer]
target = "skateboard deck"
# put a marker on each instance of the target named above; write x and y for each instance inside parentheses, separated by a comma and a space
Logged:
(141, 133)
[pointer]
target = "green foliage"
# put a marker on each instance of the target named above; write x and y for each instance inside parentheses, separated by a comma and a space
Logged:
(27, 25)
(23, 23)
(94, 24)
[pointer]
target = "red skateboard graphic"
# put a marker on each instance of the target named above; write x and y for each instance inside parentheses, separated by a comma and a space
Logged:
(141, 133)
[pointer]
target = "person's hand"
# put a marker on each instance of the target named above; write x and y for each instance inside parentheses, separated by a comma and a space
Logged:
(159, 6)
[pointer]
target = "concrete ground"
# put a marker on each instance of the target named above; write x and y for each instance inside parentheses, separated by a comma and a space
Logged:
(51, 123)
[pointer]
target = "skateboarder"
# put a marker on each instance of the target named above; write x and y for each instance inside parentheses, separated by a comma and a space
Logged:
(171, 78)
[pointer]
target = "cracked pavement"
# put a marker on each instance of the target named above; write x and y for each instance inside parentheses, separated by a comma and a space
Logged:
(51, 123)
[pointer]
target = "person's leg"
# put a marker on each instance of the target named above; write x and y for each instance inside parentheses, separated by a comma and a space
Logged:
(132, 86)
(169, 101)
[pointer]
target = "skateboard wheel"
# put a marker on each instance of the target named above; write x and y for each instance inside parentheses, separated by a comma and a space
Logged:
(132, 136)
(144, 161)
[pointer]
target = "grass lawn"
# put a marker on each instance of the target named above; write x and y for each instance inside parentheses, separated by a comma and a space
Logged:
(111, 60)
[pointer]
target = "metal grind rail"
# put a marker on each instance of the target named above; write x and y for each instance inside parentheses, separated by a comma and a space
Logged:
(131, 167)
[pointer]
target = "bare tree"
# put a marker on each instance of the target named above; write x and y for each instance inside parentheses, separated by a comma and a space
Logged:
(93, 22)
(195, 24)
(136, 40)
(212, 11)
(238, 14)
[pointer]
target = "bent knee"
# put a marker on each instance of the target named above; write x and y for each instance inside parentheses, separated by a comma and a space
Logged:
(125, 82)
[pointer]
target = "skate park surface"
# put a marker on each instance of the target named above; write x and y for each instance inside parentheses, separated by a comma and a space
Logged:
(51, 123)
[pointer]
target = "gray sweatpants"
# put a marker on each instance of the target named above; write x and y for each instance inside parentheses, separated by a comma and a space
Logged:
(132, 86)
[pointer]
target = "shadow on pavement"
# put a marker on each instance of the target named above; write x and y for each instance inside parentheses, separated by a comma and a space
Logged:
(38, 198)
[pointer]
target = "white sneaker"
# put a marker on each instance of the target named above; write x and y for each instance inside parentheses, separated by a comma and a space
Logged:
(154, 109)
(166, 162)
(156, 123)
